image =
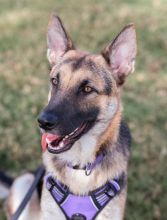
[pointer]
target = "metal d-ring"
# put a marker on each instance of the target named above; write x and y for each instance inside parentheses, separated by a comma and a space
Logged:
(88, 169)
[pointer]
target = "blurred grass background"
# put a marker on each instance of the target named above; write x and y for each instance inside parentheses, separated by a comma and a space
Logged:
(92, 24)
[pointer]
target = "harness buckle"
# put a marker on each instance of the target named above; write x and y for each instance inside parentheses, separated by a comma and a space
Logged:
(110, 193)
(113, 188)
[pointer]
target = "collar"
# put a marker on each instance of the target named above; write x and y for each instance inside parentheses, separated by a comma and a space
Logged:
(88, 168)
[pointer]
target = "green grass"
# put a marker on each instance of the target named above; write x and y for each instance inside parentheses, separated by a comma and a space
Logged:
(92, 24)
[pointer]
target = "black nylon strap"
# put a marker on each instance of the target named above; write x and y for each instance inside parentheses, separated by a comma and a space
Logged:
(39, 175)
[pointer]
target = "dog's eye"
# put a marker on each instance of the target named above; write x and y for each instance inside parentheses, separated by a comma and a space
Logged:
(54, 81)
(87, 89)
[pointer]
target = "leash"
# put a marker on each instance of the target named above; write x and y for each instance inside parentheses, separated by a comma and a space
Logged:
(39, 175)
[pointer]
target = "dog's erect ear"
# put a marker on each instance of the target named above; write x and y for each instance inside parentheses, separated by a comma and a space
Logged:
(57, 39)
(121, 53)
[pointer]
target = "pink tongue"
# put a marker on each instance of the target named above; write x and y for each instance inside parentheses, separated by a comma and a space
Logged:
(48, 138)
(51, 137)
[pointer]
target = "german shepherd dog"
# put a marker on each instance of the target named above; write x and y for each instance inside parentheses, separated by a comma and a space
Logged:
(82, 120)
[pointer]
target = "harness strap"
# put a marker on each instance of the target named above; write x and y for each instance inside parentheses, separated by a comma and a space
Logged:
(88, 206)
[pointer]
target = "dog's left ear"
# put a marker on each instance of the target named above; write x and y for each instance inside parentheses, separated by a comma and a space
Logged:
(121, 53)
(58, 40)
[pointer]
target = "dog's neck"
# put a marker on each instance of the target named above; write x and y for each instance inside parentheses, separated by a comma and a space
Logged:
(110, 135)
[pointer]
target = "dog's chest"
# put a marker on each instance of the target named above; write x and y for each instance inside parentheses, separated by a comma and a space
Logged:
(50, 209)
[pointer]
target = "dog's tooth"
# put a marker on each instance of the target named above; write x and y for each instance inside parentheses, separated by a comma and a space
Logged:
(61, 145)
(58, 147)
(76, 129)
(72, 132)
(65, 137)
(49, 145)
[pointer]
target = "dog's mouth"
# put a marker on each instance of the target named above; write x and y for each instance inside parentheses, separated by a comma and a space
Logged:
(57, 144)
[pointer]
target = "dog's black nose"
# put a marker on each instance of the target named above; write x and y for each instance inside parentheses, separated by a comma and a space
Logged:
(47, 120)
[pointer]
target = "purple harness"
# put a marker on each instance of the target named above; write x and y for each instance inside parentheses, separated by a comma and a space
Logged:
(85, 207)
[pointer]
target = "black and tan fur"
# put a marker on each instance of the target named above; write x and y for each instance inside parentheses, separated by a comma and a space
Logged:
(69, 105)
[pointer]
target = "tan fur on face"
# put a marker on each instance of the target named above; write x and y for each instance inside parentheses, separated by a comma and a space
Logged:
(70, 77)
(109, 104)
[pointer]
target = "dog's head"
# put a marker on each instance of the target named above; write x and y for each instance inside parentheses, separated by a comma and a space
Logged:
(84, 89)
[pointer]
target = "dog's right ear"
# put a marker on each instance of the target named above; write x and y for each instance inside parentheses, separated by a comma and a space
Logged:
(57, 40)
(120, 54)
